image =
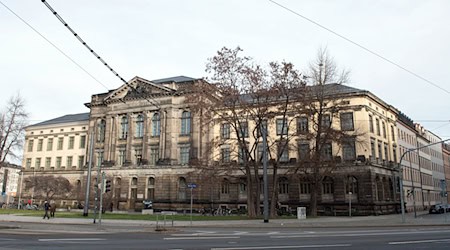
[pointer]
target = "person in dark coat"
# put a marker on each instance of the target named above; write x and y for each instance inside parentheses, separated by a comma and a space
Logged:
(46, 208)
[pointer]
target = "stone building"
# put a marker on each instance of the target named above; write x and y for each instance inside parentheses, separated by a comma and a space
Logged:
(446, 157)
(9, 182)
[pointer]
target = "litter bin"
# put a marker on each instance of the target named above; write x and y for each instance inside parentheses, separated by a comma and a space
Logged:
(301, 213)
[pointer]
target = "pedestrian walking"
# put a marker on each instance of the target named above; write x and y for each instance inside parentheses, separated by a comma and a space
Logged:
(46, 208)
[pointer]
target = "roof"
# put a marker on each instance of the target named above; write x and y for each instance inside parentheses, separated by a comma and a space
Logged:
(64, 119)
(176, 79)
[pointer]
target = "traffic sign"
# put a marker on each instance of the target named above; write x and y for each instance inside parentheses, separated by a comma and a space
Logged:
(192, 185)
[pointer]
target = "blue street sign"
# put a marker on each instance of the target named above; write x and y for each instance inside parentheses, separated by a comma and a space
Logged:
(192, 185)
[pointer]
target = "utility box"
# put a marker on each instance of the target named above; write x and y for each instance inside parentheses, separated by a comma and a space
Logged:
(301, 213)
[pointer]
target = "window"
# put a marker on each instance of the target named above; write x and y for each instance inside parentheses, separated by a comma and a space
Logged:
(182, 188)
(156, 126)
(326, 121)
(60, 143)
(83, 141)
(347, 121)
(259, 152)
(99, 158)
(69, 161)
(305, 187)
(39, 146)
(58, 162)
(282, 126)
(151, 188)
(327, 152)
(303, 151)
(242, 155)
(283, 185)
(38, 163)
(377, 123)
(225, 187)
(154, 155)
(30, 145)
(380, 151)
(283, 151)
(392, 133)
(186, 123)
(49, 144)
(372, 148)
(263, 124)
(386, 152)
(28, 164)
(48, 161)
(348, 149)
(243, 129)
(352, 185)
(134, 181)
(184, 154)
(80, 161)
(394, 154)
(327, 185)
(371, 123)
(242, 186)
(225, 131)
(384, 130)
(225, 154)
(101, 130)
(139, 126)
(123, 128)
(121, 157)
(302, 125)
(138, 156)
(71, 142)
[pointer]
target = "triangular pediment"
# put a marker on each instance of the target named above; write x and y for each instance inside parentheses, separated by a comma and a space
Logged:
(138, 87)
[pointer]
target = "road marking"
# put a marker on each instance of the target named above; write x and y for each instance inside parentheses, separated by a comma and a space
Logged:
(7, 239)
(73, 239)
(203, 238)
(354, 235)
(417, 242)
(282, 247)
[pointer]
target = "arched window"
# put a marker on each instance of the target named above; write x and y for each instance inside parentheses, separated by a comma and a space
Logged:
(181, 188)
(283, 185)
(352, 185)
(186, 123)
(101, 128)
(327, 185)
(156, 125)
(134, 181)
(124, 127)
(139, 126)
(133, 188)
(225, 187)
(151, 188)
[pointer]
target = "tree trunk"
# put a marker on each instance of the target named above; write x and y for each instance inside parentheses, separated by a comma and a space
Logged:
(313, 201)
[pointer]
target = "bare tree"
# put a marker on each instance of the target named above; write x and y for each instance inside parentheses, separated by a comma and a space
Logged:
(49, 186)
(245, 98)
(325, 132)
(13, 120)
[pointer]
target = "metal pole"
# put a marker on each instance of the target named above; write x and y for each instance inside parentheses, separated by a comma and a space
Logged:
(20, 194)
(34, 180)
(101, 199)
(413, 188)
(266, 189)
(97, 189)
(88, 182)
(349, 204)
(191, 205)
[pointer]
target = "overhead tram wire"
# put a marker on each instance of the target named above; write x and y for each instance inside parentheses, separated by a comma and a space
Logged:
(362, 47)
(94, 53)
(54, 46)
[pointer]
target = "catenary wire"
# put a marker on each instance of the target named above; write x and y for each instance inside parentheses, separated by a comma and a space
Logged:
(361, 46)
(93, 52)
(56, 47)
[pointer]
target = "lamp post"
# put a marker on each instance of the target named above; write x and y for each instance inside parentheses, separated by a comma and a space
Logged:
(349, 204)
(266, 188)
(20, 194)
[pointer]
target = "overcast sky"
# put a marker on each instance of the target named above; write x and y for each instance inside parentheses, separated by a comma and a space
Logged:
(158, 39)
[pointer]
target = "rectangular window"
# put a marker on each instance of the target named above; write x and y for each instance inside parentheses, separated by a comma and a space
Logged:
(49, 144)
(48, 161)
(371, 123)
(30, 145)
(259, 152)
(347, 121)
(154, 155)
(326, 121)
(138, 156)
(99, 158)
(60, 143)
(302, 125)
(121, 157)
(392, 132)
(327, 152)
(243, 129)
(242, 155)
(283, 151)
(184, 154)
(380, 151)
(71, 142)
(38, 162)
(80, 161)
(282, 128)
(69, 161)
(303, 151)
(186, 123)
(39, 146)
(348, 150)
(386, 152)
(377, 124)
(225, 154)
(372, 149)
(28, 164)
(83, 141)
(58, 162)
(305, 188)
(225, 131)
(384, 130)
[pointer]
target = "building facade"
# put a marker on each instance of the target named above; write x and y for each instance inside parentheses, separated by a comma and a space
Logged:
(446, 157)
(9, 182)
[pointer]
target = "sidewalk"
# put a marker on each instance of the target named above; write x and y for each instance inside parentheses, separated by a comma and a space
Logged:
(360, 221)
